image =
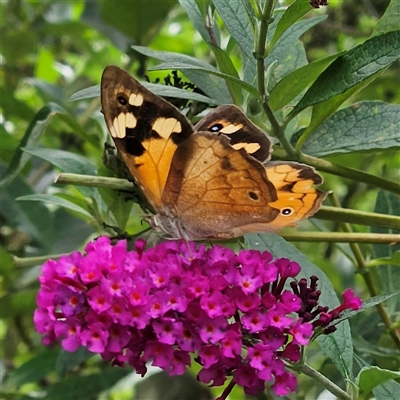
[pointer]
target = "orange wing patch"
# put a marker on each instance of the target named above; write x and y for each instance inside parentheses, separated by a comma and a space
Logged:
(297, 196)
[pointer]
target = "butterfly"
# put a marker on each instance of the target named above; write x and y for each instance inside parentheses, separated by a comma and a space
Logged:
(210, 181)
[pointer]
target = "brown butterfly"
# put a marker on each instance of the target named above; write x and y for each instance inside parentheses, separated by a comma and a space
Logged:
(207, 181)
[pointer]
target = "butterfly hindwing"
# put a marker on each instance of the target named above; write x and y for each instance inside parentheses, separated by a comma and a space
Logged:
(297, 197)
(217, 188)
(230, 121)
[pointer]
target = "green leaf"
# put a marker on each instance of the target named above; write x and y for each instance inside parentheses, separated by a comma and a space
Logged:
(72, 232)
(87, 93)
(32, 136)
(390, 19)
(352, 68)
(226, 66)
(239, 25)
(67, 361)
(366, 125)
(64, 160)
(211, 71)
(69, 162)
(387, 391)
(370, 377)
(33, 219)
(295, 11)
(34, 370)
(372, 302)
(213, 86)
(87, 386)
(294, 83)
(338, 345)
(322, 111)
(286, 50)
(117, 204)
(388, 203)
(57, 201)
(157, 89)
(194, 12)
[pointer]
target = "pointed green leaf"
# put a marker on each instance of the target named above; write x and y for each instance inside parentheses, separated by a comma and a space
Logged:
(294, 12)
(57, 201)
(368, 303)
(322, 111)
(370, 377)
(239, 25)
(157, 89)
(210, 71)
(390, 19)
(194, 12)
(226, 66)
(64, 160)
(87, 93)
(338, 345)
(33, 219)
(387, 391)
(31, 139)
(34, 369)
(86, 387)
(364, 126)
(354, 67)
(67, 361)
(388, 203)
(286, 50)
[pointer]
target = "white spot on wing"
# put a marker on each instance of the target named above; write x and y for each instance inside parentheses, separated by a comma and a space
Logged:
(249, 147)
(112, 131)
(130, 120)
(165, 126)
(136, 99)
(120, 125)
(231, 128)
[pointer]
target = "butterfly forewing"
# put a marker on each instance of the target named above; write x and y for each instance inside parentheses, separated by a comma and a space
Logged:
(145, 128)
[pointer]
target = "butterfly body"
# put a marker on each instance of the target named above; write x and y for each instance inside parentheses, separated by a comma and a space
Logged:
(210, 181)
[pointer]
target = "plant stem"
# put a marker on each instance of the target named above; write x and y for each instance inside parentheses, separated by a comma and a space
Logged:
(358, 217)
(94, 181)
(350, 173)
(341, 237)
(260, 54)
(339, 170)
(33, 261)
(325, 382)
(368, 279)
(327, 213)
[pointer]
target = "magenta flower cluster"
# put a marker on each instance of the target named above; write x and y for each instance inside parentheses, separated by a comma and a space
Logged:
(164, 304)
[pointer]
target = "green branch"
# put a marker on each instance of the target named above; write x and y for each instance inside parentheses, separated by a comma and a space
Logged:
(94, 181)
(350, 173)
(260, 54)
(325, 382)
(341, 237)
(337, 214)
